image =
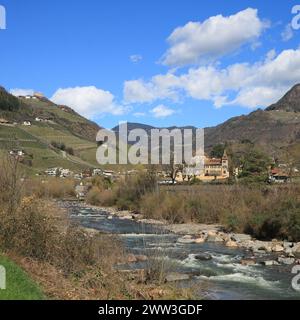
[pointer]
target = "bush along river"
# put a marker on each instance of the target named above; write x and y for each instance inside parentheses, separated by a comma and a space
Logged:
(225, 266)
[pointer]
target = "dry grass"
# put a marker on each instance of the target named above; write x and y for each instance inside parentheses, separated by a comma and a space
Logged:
(264, 211)
(53, 188)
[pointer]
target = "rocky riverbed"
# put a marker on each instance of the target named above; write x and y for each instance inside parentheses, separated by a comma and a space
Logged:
(280, 252)
(233, 266)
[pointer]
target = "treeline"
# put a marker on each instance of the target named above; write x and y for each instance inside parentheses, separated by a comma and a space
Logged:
(7, 101)
(61, 146)
(264, 211)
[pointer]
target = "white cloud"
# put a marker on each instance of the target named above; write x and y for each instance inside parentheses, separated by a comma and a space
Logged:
(139, 114)
(212, 38)
(135, 58)
(138, 91)
(287, 33)
(22, 92)
(88, 101)
(249, 85)
(160, 87)
(161, 111)
(257, 96)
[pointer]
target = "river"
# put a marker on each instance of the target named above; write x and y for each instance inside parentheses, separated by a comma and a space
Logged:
(222, 277)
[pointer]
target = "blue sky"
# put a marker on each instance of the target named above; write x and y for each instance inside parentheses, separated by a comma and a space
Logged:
(164, 63)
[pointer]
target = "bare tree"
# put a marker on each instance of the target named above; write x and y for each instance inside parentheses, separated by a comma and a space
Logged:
(10, 183)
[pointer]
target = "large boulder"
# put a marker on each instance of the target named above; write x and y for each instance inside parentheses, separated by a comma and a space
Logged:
(141, 258)
(203, 256)
(200, 240)
(214, 238)
(270, 263)
(287, 245)
(231, 244)
(240, 237)
(284, 260)
(296, 248)
(186, 240)
(247, 262)
(277, 248)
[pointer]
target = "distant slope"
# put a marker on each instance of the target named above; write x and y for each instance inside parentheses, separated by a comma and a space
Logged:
(289, 102)
(274, 130)
(63, 125)
(279, 124)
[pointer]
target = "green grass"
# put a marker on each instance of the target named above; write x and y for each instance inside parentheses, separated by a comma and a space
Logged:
(19, 286)
(57, 133)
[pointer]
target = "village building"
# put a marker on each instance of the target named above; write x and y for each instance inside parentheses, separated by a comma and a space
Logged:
(97, 172)
(27, 123)
(277, 175)
(17, 153)
(81, 191)
(213, 169)
(5, 122)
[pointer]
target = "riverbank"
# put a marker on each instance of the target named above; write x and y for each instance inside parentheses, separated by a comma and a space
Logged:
(269, 253)
(212, 269)
(18, 284)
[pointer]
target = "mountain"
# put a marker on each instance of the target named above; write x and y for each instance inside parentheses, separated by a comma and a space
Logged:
(277, 125)
(147, 128)
(274, 130)
(51, 124)
(289, 102)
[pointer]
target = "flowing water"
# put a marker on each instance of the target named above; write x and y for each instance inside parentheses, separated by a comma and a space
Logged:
(223, 277)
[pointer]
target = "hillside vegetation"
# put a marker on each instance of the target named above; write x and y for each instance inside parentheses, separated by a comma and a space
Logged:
(59, 125)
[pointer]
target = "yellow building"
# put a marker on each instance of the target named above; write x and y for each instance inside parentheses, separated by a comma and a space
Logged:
(214, 169)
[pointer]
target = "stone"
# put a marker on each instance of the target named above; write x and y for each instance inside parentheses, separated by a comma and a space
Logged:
(175, 276)
(186, 240)
(214, 238)
(157, 293)
(270, 263)
(141, 258)
(187, 237)
(199, 240)
(287, 261)
(239, 237)
(277, 248)
(231, 244)
(258, 250)
(287, 245)
(127, 217)
(296, 248)
(203, 256)
(131, 258)
(247, 262)
(211, 233)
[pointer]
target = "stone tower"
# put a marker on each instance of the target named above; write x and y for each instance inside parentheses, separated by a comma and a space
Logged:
(225, 165)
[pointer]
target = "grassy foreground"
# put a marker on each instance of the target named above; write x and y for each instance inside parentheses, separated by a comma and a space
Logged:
(19, 286)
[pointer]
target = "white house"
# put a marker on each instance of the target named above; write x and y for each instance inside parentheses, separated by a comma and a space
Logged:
(27, 123)
(97, 172)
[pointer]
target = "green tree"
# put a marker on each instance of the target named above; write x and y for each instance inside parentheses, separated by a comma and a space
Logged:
(255, 164)
(217, 151)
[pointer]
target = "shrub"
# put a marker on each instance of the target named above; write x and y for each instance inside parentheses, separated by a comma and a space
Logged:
(129, 191)
(99, 197)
